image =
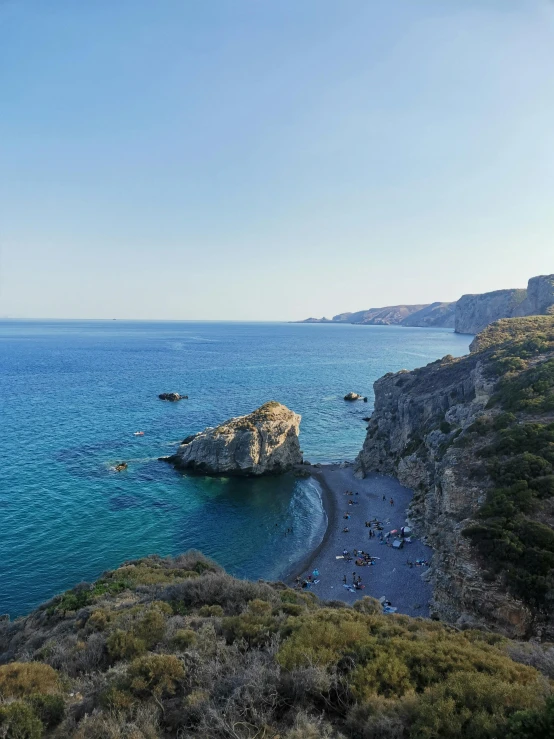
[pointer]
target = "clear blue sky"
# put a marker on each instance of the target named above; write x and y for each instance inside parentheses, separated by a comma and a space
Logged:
(258, 159)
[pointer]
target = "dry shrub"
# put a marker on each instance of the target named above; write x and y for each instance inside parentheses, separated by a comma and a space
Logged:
(20, 679)
(309, 727)
(219, 590)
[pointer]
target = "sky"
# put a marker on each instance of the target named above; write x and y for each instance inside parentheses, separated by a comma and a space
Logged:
(259, 160)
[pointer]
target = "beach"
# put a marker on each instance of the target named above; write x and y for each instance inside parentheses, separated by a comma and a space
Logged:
(391, 576)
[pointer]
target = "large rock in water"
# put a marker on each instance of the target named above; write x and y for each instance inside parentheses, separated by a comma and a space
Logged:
(262, 443)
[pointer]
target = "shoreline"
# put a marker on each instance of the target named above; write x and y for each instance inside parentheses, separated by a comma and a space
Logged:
(330, 509)
(391, 576)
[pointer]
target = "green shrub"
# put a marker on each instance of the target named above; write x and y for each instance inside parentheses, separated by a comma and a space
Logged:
(18, 721)
(469, 704)
(154, 675)
(532, 724)
(211, 611)
(184, 638)
(49, 708)
(125, 645)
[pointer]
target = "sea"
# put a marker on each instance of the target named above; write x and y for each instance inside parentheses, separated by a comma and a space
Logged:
(73, 393)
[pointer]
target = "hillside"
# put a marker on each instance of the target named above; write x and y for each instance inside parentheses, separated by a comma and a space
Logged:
(177, 648)
(427, 314)
(474, 437)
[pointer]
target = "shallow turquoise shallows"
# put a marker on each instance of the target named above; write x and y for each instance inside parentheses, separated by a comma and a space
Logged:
(72, 394)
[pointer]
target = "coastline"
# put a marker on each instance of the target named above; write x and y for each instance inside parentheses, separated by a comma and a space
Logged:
(391, 576)
(330, 508)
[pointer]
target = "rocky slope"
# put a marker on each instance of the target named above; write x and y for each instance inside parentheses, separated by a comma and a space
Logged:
(261, 443)
(475, 312)
(473, 438)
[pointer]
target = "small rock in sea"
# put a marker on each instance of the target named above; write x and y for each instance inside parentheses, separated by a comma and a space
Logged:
(366, 419)
(120, 467)
(365, 400)
(352, 396)
(172, 397)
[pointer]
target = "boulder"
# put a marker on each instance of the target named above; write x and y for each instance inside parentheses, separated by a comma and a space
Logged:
(120, 467)
(172, 397)
(264, 442)
(353, 396)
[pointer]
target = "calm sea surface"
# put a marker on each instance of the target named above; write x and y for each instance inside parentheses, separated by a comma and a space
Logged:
(73, 392)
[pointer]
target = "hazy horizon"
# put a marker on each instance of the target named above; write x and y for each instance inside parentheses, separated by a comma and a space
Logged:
(249, 161)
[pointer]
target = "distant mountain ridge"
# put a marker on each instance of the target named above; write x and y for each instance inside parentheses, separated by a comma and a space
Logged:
(425, 314)
(468, 315)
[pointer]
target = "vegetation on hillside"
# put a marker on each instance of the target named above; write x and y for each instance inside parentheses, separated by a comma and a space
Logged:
(177, 648)
(515, 535)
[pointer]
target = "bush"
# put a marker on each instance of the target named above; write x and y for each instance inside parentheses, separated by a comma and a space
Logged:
(184, 638)
(21, 679)
(532, 724)
(125, 645)
(154, 674)
(469, 705)
(49, 708)
(18, 721)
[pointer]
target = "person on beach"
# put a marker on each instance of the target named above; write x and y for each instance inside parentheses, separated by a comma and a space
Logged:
(345, 530)
(384, 497)
(353, 578)
(344, 579)
(391, 501)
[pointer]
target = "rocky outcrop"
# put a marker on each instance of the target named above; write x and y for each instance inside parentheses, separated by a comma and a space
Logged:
(172, 397)
(540, 297)
(354, 396)
(422, 431)
(263, 443)
(476, 312)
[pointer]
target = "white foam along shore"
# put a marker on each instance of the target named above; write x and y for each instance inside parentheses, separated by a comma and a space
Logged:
(391, 575)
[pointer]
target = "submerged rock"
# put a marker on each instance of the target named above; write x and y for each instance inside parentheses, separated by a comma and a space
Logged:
(264, 442)
(172, 397)
(120, 467)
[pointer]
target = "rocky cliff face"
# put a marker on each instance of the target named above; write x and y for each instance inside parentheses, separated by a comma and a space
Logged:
(540, 297)
(428, 429)
(262, 443)
(475, 312)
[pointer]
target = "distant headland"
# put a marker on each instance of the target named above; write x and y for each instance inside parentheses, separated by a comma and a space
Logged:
(468, 315)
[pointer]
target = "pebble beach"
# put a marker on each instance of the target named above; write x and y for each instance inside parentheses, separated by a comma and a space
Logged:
(391, 577)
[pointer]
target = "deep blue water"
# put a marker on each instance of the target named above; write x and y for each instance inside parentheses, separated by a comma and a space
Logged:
(73, 392)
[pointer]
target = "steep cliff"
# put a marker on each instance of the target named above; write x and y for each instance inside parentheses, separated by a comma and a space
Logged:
(261, 443)
(475, 312)
(474, 438)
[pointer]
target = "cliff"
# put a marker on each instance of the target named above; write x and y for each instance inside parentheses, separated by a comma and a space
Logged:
(475, 312)
(261, 443)
(175, 647)
(469, 315)
(473, 437)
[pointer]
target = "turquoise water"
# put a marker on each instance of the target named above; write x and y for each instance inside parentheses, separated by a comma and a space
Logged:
(72, 394)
